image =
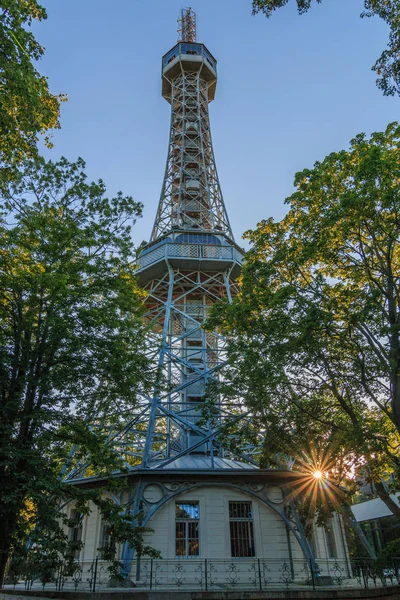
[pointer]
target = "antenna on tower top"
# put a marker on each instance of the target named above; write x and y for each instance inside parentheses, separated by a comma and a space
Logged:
(187, 26)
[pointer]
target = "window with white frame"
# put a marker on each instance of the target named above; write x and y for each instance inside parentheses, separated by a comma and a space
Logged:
(75, 532)
(241, 529)
(106, 542)
(187, 529)
(312, 542)
(330, 540)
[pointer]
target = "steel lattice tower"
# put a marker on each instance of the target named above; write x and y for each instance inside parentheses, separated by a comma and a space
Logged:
(178, 436)
(191, 262)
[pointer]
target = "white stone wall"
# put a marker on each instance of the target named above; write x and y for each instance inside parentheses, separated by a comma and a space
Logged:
(271, 538)
(269, 529)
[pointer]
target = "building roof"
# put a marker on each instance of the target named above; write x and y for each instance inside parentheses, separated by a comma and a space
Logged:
(194, 462)
(373, 509)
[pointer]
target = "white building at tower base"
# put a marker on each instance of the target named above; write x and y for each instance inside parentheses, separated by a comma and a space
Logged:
(232, 520)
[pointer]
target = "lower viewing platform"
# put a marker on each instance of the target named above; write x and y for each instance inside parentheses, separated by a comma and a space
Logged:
(206, 257)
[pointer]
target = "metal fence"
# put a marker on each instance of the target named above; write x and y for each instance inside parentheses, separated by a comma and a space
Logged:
(213, 574)
(189, 251)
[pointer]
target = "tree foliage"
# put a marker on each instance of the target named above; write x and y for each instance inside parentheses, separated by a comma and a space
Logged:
(43, 546)
(72, 343)
(390, 552)
(314, 334)
(387, 66)
(27, 107)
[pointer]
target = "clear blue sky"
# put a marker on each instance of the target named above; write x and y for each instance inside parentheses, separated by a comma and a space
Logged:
(291, 89)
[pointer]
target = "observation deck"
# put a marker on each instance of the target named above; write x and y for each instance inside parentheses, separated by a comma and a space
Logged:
(214, 253)
(188, 57)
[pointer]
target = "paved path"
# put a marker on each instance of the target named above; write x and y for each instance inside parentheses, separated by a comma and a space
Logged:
(19, 597)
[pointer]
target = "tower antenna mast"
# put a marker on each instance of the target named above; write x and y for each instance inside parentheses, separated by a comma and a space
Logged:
(187, 31)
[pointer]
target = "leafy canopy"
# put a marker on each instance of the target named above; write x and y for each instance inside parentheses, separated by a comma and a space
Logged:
(387, 67)
(314, 334)
(72, 342)
(27, 107)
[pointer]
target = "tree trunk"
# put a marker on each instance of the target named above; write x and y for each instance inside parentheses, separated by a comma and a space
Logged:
(7, 528)
(385, 497)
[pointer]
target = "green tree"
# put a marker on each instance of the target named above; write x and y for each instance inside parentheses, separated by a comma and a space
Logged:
(314, 334)
(27, 108)
(42, 545)
(387, 67)
(389, 554)
(72, 343)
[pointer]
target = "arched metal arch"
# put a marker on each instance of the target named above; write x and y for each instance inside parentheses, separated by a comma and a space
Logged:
(308, 554)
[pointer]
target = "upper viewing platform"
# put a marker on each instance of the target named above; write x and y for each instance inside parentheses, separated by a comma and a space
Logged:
(193, 57)
(186, 52)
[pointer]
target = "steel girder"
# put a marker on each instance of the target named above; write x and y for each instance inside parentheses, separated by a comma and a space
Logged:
(191, 196)
(190, 358)
(171, 422)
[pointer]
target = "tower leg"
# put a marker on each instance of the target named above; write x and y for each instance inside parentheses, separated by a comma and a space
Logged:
(127, 551)
(305, 545)
(155, 400)
(351, 520)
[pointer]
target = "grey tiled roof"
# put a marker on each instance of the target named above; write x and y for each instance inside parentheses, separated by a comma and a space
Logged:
(195, 462)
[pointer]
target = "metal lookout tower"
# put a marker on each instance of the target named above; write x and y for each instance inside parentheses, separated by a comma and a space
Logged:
(176, 441)
(191, 261)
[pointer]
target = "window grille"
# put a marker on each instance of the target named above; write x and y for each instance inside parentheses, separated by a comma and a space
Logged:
(187, 529)
(241, 529)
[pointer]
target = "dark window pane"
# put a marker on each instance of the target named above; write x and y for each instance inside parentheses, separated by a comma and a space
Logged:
(180, 548)
(193, 530)
(193, 548)
(180, 530)
(75, 530)
(240, 510)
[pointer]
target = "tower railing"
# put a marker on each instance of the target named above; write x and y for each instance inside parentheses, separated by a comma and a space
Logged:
(198, 251)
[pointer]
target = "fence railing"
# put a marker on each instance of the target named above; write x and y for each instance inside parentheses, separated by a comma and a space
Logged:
(198, 251)
(212, 574)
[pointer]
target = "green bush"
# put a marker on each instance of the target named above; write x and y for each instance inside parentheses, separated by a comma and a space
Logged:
(390, 551)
